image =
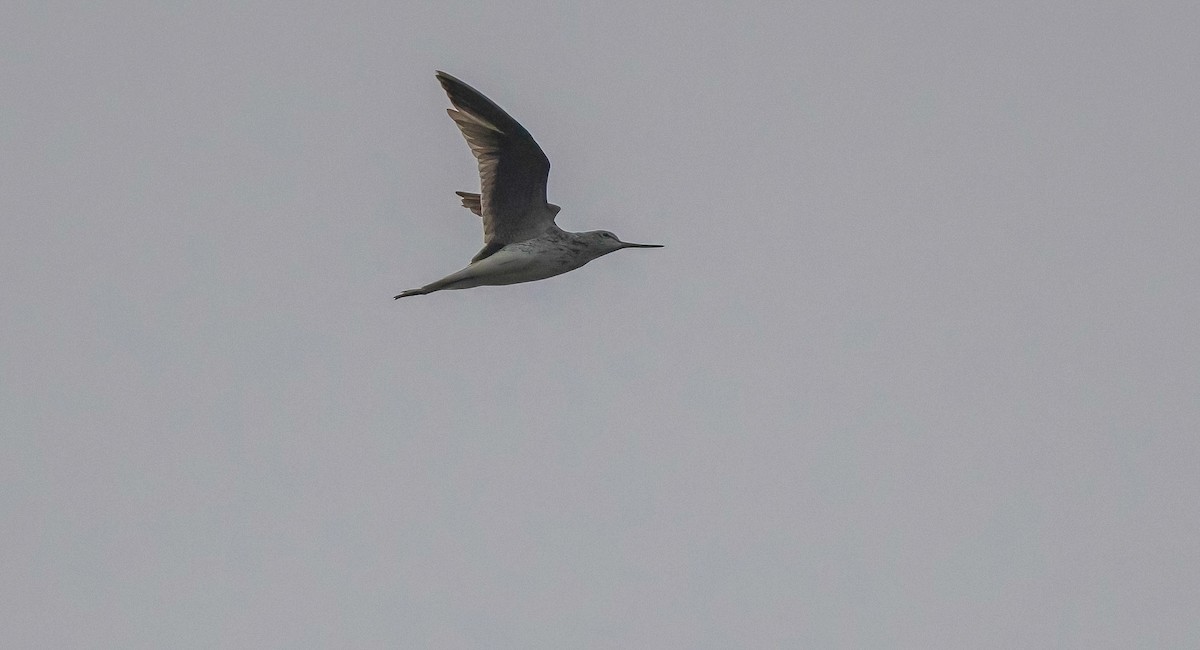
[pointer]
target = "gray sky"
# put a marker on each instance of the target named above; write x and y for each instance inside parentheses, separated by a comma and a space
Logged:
(917, 368)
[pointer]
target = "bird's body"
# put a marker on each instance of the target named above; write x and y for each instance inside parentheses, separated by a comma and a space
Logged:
(521, 241)
(553, 253)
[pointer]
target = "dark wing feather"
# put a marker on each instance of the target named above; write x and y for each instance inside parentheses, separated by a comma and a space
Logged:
(512, 167)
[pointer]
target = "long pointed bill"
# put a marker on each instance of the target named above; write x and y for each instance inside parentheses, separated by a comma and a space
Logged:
(629, 245)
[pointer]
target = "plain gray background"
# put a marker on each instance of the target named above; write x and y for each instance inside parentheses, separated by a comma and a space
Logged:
(917, 368)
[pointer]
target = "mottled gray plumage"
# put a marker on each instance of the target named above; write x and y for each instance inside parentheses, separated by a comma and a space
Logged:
(521, 241)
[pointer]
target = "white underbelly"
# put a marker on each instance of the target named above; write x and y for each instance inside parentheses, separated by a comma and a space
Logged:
(513, 266)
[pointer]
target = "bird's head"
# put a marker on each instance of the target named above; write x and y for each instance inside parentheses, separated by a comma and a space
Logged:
(605, 241)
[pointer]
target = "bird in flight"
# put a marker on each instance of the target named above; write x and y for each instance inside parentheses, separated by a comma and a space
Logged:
(521, 242)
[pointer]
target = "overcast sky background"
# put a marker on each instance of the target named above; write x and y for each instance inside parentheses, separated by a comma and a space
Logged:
(917, 368)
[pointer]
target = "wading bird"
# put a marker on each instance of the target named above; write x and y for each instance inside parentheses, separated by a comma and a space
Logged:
(521, 241)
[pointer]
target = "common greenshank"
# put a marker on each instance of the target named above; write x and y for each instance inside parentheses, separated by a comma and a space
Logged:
(521, 241)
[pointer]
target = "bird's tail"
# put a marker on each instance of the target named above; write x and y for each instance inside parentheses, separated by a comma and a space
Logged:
(472, 202)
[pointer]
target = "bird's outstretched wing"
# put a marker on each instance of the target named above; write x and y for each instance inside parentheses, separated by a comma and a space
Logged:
(474, 203)
(512, 168)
